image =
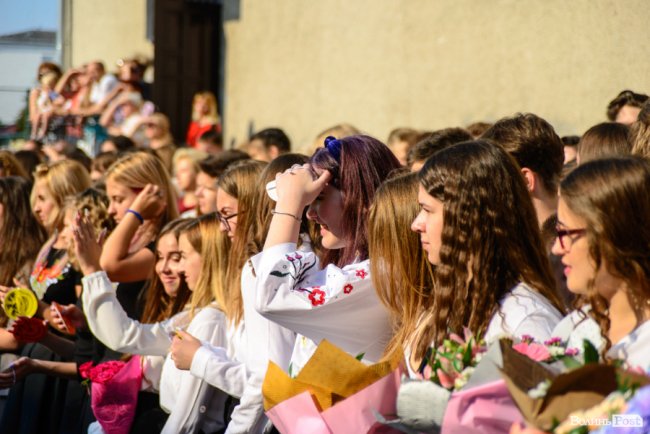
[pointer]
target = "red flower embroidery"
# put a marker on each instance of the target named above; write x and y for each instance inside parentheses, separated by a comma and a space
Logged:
(317, 297)
(362, 273)
(347, 288)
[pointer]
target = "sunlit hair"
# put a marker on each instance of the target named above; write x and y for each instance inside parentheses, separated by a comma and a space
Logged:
(193, 155)
(611, 196)
(211, 100)
(158, 304)
(363, 164)
(607, 139)
(401, 273)
(21, 236)
(241, 181)
(10, 166)
(162, 121)
(338, 131)
(490, 239)
(205, 235)
(136, 170)
(62, 179)
(640, 133)
(93, 204)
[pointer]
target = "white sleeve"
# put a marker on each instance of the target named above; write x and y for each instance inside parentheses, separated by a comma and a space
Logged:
(212, 364)
(337, 304)
(194, 397)
(111, 325)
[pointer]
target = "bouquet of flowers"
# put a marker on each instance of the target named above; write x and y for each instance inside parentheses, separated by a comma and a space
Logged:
(452, 363)
(546, 398)
(114, 392)
(27, 329)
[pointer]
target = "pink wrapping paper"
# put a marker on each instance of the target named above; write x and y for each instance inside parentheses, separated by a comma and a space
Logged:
(299, 415)
(114, 402)
(486, 409)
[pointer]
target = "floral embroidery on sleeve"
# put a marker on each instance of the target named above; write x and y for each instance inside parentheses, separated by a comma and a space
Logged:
(362, 273)
(347, 288)
(316, 296)
(299, 268)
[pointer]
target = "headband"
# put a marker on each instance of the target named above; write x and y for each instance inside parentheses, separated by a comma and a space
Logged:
(333, 145)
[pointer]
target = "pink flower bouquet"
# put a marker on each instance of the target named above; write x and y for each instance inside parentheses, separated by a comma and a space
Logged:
(114, 392)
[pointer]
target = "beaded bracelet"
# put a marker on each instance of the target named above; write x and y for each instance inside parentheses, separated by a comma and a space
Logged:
(274, 212)
(136, 214)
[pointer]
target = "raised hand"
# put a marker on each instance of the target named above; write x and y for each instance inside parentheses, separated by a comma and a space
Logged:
(87, 247)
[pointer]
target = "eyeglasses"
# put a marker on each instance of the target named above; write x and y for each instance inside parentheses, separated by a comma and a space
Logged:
(150, 125)
(567, 237)
(224, 220)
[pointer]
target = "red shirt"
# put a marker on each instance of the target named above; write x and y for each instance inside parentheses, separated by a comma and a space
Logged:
(195, 130)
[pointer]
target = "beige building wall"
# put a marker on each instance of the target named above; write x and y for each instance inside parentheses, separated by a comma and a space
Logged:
(105, 30)
(429, 64)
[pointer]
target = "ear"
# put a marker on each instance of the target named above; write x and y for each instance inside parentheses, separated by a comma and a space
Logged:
(530, 178)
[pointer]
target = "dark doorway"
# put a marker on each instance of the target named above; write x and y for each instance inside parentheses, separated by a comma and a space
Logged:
(187, 56)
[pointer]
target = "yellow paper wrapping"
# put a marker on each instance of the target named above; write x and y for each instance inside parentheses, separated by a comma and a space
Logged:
(330, 375)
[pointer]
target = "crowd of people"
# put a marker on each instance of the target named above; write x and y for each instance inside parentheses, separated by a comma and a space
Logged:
(199, 265)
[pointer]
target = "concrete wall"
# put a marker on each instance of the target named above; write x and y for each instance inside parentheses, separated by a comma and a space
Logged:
(380, 64)
(105, 30)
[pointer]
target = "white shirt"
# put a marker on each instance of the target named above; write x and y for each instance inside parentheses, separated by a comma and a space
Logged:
(634, 348)
(100, 89)
(523, 311)
(193, 404)
(240, 369)
(337, 304)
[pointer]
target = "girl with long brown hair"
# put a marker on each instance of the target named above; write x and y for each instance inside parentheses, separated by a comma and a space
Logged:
(479, 229)
(254, 340)
(603, 237)
(193, 405)
(404, 283)
(331, 297)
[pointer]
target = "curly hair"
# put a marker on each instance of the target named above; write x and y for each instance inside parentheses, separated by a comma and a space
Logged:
(364, 162)
(404, 282)
(640, 133)
(94, 204)
(490, 239)
(611, 195)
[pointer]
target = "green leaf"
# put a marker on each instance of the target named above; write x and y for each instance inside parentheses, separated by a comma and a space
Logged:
(591, 353)
(570, 362)
(467, 356)
(458, 365)
(359, 357)
(278, 274)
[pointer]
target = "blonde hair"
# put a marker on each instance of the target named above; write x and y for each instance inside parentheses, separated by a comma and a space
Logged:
(241, 182)
(136, 170)
(194, 155)
(11, 166)
(206, 237)
(162, 121)
(63, 178)
(400, 271)
(213, 114)
(94, 204)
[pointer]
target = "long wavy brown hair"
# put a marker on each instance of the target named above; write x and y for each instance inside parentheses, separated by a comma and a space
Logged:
(241, 182)
(612, 196)
(400, 271)
(490, 239)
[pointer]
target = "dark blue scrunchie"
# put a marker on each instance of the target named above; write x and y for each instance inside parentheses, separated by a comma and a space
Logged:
(333, 145)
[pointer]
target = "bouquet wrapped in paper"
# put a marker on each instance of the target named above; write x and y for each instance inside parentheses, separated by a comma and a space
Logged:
(333, 393)
(546, 398)
(114, 392)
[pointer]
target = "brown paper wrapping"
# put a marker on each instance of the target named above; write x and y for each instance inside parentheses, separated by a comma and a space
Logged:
(575, 390)
(330, 375)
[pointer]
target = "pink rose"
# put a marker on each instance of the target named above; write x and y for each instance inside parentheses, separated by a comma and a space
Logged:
(537, 352)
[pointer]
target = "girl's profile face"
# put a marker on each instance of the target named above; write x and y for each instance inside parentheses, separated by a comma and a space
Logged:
(579, 268)
(168, 257)
(45, 206)
(327, 211)
(227, 209)
(429, 224)
(120, 199)
(190, 262)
